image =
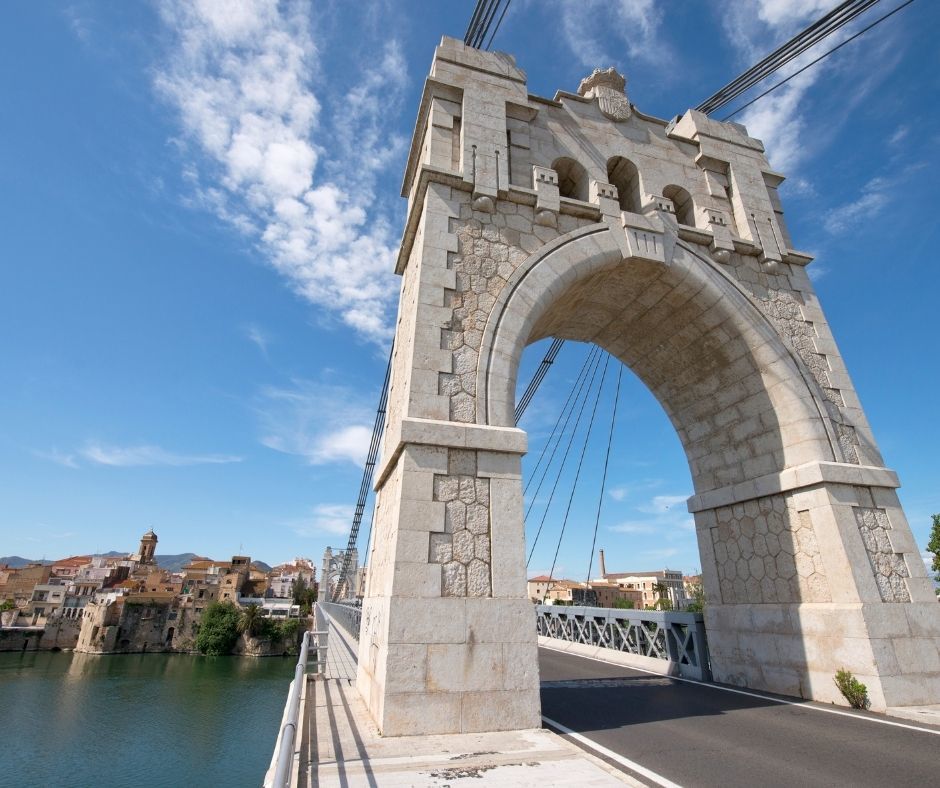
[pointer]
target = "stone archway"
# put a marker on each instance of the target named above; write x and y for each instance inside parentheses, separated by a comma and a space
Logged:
(808, 562)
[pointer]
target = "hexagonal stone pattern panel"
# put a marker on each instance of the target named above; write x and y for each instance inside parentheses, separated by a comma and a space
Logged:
(766, 553)
(463, 549)
(888, 566)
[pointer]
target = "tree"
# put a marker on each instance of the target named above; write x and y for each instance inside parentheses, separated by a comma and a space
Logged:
(696, 598)
(218, 629)
(933, 546)
(624, 604)
(303, 595)
(250, 621)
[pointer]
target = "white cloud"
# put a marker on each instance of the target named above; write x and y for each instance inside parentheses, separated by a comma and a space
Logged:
(66, 459)
(138, 456)
(618, 493)
(873, 198)
(634, 527)
(660, 504)
(635, 25)
(899, 135)
(348, 443)
(321, 422)
(240, 76)
(326, 518)
(258, 336)
(781, 119)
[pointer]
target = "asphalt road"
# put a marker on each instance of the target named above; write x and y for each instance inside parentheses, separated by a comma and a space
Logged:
(694, 734)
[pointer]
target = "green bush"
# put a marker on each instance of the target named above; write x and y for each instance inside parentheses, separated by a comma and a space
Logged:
(852, 689)
(624, 604)
(218, 630)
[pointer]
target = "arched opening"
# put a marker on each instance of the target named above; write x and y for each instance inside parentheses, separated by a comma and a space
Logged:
(741, 403)
(682, 200)
(572, 179)
(622, 173)
(643, 525)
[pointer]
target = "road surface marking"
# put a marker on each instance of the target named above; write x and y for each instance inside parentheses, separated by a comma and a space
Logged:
(614, 756)
(801, 704)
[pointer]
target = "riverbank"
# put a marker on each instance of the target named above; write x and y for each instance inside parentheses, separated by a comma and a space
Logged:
(132, 719)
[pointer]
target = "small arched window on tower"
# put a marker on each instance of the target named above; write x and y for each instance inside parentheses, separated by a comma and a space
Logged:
(623, 174)
(572, 179)
(685, 208)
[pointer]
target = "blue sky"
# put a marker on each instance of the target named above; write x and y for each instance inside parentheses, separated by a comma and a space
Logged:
(197, 292)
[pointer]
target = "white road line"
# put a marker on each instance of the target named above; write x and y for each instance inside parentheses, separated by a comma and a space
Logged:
(633, 766)
(802, 704)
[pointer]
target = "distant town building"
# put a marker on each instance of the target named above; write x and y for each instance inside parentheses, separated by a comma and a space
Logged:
(597, 593)
(148, 547)
(654, 585)
(282, 578)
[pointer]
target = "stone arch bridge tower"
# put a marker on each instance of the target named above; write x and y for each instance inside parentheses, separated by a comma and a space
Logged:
(664, 243)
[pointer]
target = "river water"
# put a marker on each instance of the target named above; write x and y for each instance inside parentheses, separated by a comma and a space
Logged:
(138, 720)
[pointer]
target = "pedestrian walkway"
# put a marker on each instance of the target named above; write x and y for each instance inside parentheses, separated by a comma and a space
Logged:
(341, 650)
(340, 745)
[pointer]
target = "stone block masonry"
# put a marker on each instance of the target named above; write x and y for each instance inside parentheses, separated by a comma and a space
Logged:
(665, 244)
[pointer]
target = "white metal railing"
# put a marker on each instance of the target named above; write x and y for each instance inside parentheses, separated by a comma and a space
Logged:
(349, 617)
(676, 638)
(282, 760)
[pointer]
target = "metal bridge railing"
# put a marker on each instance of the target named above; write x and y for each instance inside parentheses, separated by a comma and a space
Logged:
(348, 616)
(678, 638)
(282, 762)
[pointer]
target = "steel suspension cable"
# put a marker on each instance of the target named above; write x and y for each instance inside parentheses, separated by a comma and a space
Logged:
(564, 459)
(600, 500)
(577, 475)
(537, 378)
(812, 63)
(496, 30)
(578, 382)
(367, 473)
(822, 28)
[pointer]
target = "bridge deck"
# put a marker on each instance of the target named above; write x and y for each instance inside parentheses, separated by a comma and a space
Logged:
(340, 746)
(646, 729)
(701, 734)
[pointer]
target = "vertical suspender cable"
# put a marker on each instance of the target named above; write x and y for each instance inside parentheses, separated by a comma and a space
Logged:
(367, 473)
(577, 474)
(564, 459)
(600, 500)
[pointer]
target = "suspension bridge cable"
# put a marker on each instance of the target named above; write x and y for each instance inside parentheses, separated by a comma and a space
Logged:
(480, 22)
(822, 28)
(577, 475)
(600, 500)
(495, 30)
(816, 32)
(474, 22)
(537, 378)
(595, 354)
(367, 473)
(564, 458)
(574, 387)
(814, 62)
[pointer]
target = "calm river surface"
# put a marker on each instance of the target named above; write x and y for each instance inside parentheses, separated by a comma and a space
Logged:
(138, 720)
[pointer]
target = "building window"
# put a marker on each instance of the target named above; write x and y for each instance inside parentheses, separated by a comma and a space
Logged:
(685, 208)
(572, 179)
(623, 174)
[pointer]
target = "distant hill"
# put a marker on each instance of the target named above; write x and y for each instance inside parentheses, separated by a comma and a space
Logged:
(174, 563)
(16, 561)
(261, 565)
